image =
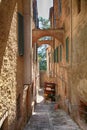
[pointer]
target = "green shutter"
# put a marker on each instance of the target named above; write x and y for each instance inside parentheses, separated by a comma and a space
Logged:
(60, 52)
(20, 34)
(57, 56)
(54, 56)
(67, 49)
(59, 8)
(35, 52)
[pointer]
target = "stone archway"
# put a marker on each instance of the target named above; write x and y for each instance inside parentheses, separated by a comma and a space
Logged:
(49, 42)
(56, 33)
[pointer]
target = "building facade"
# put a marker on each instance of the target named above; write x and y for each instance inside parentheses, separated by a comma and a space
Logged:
(17, 20)
(67, 59)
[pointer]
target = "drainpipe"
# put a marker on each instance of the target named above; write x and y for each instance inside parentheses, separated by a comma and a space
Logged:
(27, 42)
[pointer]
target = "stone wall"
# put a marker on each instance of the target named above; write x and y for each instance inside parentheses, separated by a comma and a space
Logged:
(11, 64)
(15, 97)
(8, 59)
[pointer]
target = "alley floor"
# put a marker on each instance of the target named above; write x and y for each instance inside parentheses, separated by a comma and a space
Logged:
(45, 117)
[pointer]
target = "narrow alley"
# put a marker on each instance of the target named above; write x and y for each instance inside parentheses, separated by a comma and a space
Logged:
(46, 117)
(43, 46)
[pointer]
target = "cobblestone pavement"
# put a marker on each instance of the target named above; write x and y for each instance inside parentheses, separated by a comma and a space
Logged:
(45, 117)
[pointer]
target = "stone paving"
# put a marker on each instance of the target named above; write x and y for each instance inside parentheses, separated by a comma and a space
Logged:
(45, 117)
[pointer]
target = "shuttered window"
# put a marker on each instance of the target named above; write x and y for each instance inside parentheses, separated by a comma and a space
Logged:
(56, 58)
(20, 34)
(67, 49)
(60, 52)
(59, 8)
(54, 20)
(35, 52)
(53, 56)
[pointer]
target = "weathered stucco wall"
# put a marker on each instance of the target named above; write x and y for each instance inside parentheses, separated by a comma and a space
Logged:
(71, 76)
(60, 68)
(79, 54)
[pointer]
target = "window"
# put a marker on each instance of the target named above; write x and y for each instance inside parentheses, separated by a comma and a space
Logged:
(67, 49)
(20, 34)
(59, 8)
(54, 20)
(35, 52)
(60, 52)
(35, 14)
(57, 54)
(79, 5)
(56, 58)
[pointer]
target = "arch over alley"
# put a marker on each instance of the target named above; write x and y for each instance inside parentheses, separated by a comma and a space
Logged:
(49, 42)
(56, 33)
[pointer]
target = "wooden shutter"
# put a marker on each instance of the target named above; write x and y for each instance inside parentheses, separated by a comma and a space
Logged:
(54, 20)
(60, 52)
(57, 54)
(54, 56)
(59, 8)
(20, 34)
(35, 52)
(67, 49)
